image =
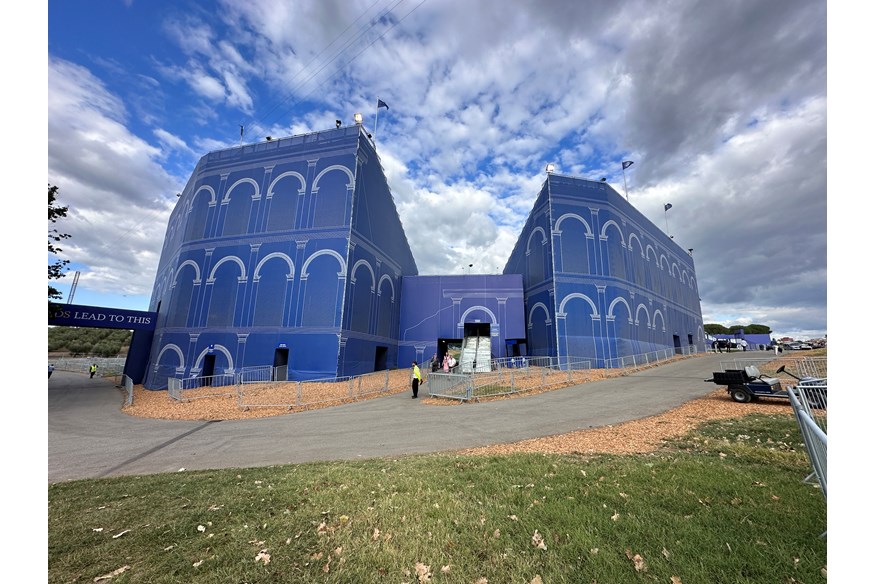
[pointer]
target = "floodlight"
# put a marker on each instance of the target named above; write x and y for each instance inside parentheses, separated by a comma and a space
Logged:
(550, 167)
(357, 118)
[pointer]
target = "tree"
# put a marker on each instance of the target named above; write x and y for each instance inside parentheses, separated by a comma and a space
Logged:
(715, 329)
(56, 269)
(751, 329)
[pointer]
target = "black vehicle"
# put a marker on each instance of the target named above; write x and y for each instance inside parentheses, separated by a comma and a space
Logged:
(748, 384)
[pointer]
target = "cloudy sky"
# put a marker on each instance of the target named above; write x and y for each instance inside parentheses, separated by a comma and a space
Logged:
(722, 106)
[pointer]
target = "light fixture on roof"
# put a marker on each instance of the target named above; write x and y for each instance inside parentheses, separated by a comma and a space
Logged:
(337, 123)
(357, 117)
(268, 138)
(550, 167)
(602, 179)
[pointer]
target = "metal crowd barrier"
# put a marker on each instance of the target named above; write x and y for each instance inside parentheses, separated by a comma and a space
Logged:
(508, 376)
(814, 437)
(267, 393)
(650, 357)
(800, 366)
(128, 386)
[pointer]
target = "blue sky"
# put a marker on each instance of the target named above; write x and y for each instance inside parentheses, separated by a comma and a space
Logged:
(722, 106)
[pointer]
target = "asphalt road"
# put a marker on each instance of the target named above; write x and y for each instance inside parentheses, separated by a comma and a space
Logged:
(89, 436)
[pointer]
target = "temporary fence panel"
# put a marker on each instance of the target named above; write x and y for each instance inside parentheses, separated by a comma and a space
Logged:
(814, 437)
(508, 376)
(192, 388)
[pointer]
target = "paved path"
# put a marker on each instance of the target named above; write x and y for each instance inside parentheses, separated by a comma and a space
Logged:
(89, 436)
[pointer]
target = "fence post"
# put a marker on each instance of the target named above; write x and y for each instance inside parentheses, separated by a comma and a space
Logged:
(298, 400)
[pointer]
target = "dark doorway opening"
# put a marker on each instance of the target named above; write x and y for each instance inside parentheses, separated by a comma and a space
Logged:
(689, 340)
(477, 329)
(380, 358)
(209, 370)
(281, 364)
(676, 340)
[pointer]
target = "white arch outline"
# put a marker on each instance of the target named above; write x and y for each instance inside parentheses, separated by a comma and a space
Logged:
(198, 365)
(227, 198)
(331, 252)
(609, 223)
(630, 243)
(572, 216)
(615, 302)
(207, 188)
(370, 269)
(573, 295)
(639, 308)
(662, 320)
(662, 259)
(270, 256)
(391, 286)
(174, 348)
(184, 264)
(547, 314)
(650, 248)
(347, 171)
(301, 179)
(229, 258)
(529, 241)
(473, 308)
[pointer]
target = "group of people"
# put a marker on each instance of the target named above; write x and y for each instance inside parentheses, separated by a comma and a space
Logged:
(447, 364)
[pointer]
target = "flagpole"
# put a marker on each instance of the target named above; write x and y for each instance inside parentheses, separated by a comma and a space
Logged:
(624, 166)
(375, 120)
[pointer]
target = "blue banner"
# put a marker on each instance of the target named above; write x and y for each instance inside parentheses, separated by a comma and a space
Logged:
(100, 317)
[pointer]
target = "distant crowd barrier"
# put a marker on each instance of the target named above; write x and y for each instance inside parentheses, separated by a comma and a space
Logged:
(508, 376)
(267, 387)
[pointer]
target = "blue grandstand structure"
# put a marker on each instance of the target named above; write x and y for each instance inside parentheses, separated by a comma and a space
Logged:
(601, 281)
(290, 253)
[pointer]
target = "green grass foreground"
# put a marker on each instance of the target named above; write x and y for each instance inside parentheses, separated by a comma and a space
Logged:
(726, 503)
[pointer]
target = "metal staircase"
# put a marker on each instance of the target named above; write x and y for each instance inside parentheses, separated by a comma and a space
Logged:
(476, 355)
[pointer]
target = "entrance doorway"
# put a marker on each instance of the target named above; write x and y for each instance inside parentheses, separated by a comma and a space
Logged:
(281, 364)
(209, 370)
(380, 358)
(477, 329)
(676, 340)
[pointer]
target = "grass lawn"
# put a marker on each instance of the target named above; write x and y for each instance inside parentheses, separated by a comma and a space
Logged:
(727, 503)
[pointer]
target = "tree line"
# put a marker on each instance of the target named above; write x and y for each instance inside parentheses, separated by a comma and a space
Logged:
(749, 329)
(90, 342)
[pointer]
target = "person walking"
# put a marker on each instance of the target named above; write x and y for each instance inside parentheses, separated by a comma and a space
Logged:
(92, 370)
(416, 379)
(51, 369)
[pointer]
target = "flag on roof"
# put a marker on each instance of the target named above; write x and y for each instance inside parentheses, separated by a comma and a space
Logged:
(381, 103)
(667, 206)
(627, 164)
